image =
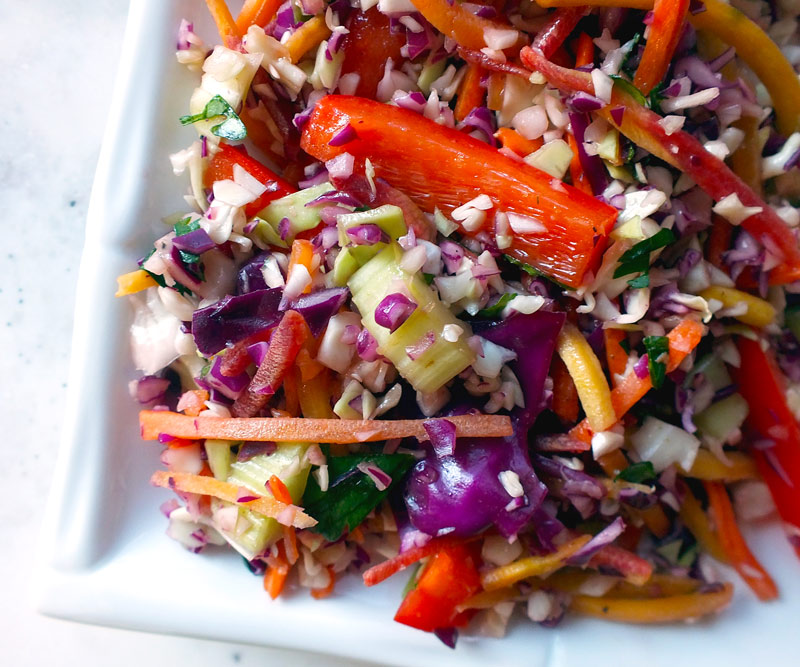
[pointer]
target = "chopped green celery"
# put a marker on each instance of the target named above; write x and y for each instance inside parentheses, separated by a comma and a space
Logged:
(792, 319)
(720, 420)
(442, 360)
(219, 457)
(429, 74)
(293, 206)
(287, 463)
(388, 217)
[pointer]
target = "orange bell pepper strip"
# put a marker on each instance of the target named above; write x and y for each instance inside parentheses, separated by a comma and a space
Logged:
(669, 17)
(228, 30)
(470, 92)
(133, 282)
(682, 340)
(439, 167)
(584, 51)
(514, 141)
(367, 47)
(221, 168)
(256, 12)
(455, 21)
(684, 152)
(762, 385)
(450, 578)
(734, 545)
(565, 394)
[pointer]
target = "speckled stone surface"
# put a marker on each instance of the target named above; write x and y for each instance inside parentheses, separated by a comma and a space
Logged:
(58, 62)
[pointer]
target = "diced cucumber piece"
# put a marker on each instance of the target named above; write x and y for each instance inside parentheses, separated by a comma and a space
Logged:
(293, 206)
(389, 218)
(442, 360)
(219, 457)
(344, 266)
(722, 419)
(429, 74)
(717, 374)
(608, 147)
(792, 319)
(287, 463)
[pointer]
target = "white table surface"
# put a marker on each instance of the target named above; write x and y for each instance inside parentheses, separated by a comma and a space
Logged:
(58, 62)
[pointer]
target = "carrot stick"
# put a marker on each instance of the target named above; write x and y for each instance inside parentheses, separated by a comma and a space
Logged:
(611, 557)
(616, 357)
(209, 486)
(470, 92)
(296, 429)
(135, 281)
(655, 610)
(320, 593)
(656, 520)
(613, 463)
(302, 255)
(682, 340)
(276, 575)
(256, 12)
(514, 141)
(696, 520)
(565, 395)
(382, 571)
(279, 490)
(584, 51)
(308, 36)
(734, 545)
(228, 30)
(665, 33)
(290, 544)
(579, 179)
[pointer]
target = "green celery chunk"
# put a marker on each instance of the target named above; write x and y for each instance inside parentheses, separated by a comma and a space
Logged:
(293, 206)
(442, 360)
(219, 457)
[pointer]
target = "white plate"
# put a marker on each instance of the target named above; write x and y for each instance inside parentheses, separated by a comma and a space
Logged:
(105, 558)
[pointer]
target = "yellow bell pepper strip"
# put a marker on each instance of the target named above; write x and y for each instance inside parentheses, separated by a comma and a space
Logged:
(450, 18)
(531, 566)
(763, 387)
(659, 586)
(587, 373)
(669, 17)
(135, 281)
(684, 152)
(708, 467)
(655, 610)
(734, 545)
(488, 599)
(759, 313)
(696, 520)
(752, 45)
(308, 36)
(746, 160)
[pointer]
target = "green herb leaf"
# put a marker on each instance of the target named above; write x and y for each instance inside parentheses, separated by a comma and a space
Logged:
(428, 278)
(637, 473)
(625, 345)
(637, 259)
(627, 87)
(351, 494)
(527, 268)
(180, 289)
(640, 282)
(185, 226)
(657, 347)
(231, 128)
(493, 312)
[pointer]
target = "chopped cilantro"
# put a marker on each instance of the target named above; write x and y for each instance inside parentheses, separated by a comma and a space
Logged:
(428, 278)
(637, 259)
(641, 281)
(531, 271)
(493, 312)
(185, 226)
(625, 345)
(657, 347)
(231, 128)
(637, 473)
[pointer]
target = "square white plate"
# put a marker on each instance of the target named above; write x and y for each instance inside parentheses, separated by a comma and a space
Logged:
(105, 558)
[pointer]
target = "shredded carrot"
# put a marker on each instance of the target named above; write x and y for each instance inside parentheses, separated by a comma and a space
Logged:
(654, 610)
(682, 340)
(308, 36)
(470, 92)
(579, 179)
(297, 429)
(302, 255)
(256, 12)
(611, 557)
(590, 382)
(665, 33)
(565, 395)
(514, 141)
(531, 566)
(290, 544)
(209, 486)
(279, 490)
(276, 575)
(193, 402)
(734, 546)
(616, 357)
(696, 520)
(231, 37)
(584, 51)
(320, 593)
(135, 281)
(382, 571)
(708, 467)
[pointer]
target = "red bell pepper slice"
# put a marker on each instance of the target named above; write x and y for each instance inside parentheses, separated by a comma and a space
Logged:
(221, 167)
(762, 385)
(450, 578)
(285, 343)
(367, 47)
(669, 17)
(441, 167)
(684, 152)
